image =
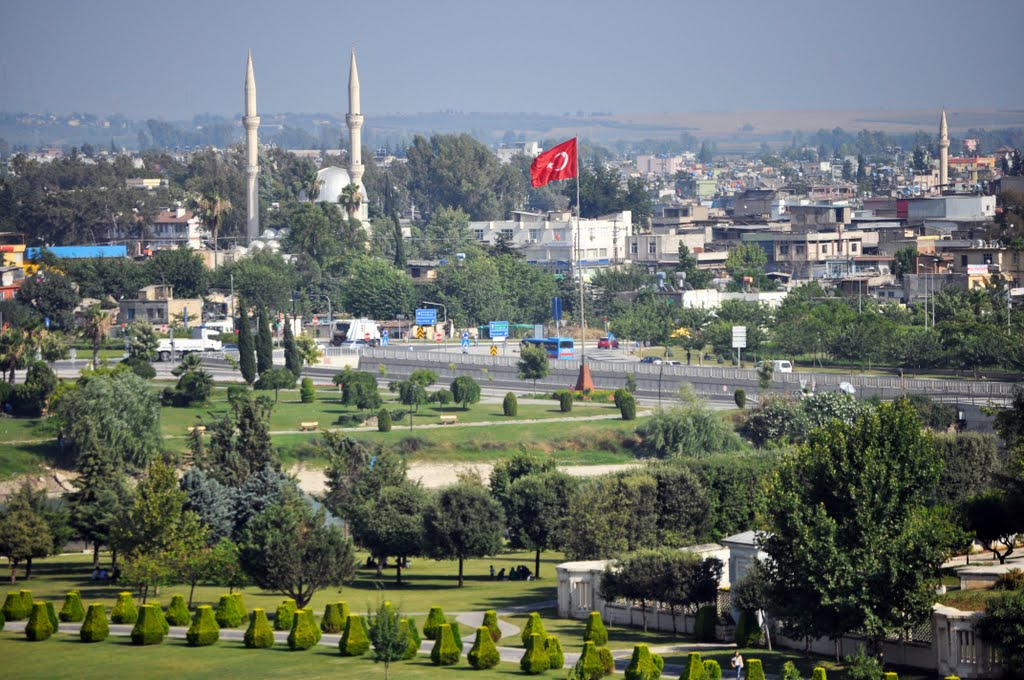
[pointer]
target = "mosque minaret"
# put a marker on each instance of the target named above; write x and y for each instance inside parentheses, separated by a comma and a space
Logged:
(943, 152)
(251, 121)
(354, 119)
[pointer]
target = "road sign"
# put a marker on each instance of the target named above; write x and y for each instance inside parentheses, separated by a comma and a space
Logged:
(556, 308)
(366, 336)
(439, 337)
(426, 317)
(739, 337)
(465, 339)
(498, 329)
(384, 337)
(494, 350)
(465, 335)
(316, 321)
(420, 333)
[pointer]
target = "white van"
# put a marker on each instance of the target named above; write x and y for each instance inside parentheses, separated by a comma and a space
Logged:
(782, 366)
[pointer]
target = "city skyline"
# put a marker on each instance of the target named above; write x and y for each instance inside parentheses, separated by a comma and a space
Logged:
(174, 62)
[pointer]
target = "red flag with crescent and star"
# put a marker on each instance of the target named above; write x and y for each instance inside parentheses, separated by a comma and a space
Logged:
(558, 162)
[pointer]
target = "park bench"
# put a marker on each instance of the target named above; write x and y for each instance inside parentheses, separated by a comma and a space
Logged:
(308, 427)
(449, 420)
(194, 428)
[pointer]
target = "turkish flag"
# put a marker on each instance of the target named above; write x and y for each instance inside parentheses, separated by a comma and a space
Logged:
(558, 162)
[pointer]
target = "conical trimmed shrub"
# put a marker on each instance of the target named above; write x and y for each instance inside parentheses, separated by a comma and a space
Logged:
(178, 613)
(755, 671)
(303, 633)
(589, 667)
(445, 652)
(456, 633)
(228, 614)
(704, 624)
(14, 608)
(72, 611)
(484, 653)
(204, 630)
(819, 674)
(51, 613)
(534, 626)
(412, 647)
(95, 627)
(659, 661)
(510, 405)
(164, 623)
(332, 621)
(124, 610)
(712, 671)
(414, 632)
(890, 676)
(607, 660)
(491, 621)
(535, 660)
(284, 614)
(595, 630)
(354, 641)
(27, 601)
(259, 634)
(317, 633)
(2, 620)
(554, 649)
(240, 604)
(149, 629)
(39, 626)
(435, 619)
(694, 668)
(641, 665)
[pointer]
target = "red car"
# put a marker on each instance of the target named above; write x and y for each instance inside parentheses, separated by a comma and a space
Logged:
(608, 343)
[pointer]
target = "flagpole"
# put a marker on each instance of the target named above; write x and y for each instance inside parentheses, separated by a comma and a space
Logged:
(579, 261)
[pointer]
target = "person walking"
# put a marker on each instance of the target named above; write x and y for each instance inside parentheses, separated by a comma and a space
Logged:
(737, 663)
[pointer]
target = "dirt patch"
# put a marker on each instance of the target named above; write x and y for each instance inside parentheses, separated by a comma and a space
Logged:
(53, 482)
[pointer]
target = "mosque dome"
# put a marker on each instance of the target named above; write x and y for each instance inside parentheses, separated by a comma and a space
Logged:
(332, 180)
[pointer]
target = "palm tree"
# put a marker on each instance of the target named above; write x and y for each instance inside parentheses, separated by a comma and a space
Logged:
(212, 208)
(311, 184)
(97, 324)
(13, 347)
(351, 199)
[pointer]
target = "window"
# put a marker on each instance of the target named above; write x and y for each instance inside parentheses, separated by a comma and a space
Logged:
(535, 234)
(479, 233)
(602, 252)
(784, 250)
(853, 247)
(634, 248)
(584, 595)
(800, 249)
(507, 233)
(963, 260)
(652, 248)
(987, 258)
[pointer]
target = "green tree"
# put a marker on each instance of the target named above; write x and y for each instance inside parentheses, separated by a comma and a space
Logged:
(695, 277)
(390, 524)
(101, 497)
(292, 358)
(533, 364)
(466, 391)
(377, 289)
(246, 345)
(53, 296)
(95, 327)
(903, 262)
(1002, 627)
(24, 534)
(747, 260)
(181, 268)
(465, 522)
(211, 209)
(310, 232)
(536, 511)
(264, 342)
(390, 639)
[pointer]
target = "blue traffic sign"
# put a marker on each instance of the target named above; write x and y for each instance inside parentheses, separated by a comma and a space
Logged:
(498, 329)
(426, 317)
(384, 337)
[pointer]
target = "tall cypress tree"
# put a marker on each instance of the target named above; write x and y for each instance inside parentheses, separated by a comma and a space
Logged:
(292, 358)
(264, 342)
(246, 345)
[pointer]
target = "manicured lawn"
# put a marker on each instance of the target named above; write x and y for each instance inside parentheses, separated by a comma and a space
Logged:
(570, 633)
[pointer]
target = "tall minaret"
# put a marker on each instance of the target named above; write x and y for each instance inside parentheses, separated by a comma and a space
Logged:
(354, 119)
(943, 152)
(251, 121)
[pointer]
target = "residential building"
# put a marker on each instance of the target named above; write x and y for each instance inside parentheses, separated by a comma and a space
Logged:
(663, 166)
(980, 260)
(819, 217)
(157, 305)
(529, 149)
(177, 227)
(11, 279)
(805, 254)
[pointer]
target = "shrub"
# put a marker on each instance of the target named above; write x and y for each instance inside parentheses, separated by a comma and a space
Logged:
(618, 394)
(565, 398)
(204, 630)
(414, 632)
(412, 646)
(72, 611)
(748, 633)
(704, 624)
(535, 660)
(149, 627)
(95, 627)
(607, 660)
(14, 608)
(228, 613)
(284, 614)
(384, 420)
(491, 621)
(124, 610)
(659, 661)
(754, 670)
(333, 620)
(435, 619)
(178, 613)
(444, 653)
(26, 601)
(554, 651)
(819, 674)
(627, 408)
(303, 632)
(642, 666)
(456, 633)
(39, 626)
(51, 614)
(861, 666)
(595, 631)
(483, 654)
(740, 397)
(258, 635)
(694, 668)
(241, 606)
(510, 407)
(317, 633)
(891, 676)
(533, 626)
(589, 666)
(1011, 580)
(162, 617)
(712, 670)
(790, 672)
(354, 641)
(2, 620)
(307, 393)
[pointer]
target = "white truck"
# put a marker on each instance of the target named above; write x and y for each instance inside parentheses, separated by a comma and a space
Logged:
(202, 340)
(355, 332)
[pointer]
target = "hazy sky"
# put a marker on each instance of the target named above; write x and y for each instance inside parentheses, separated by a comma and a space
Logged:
(176, 58)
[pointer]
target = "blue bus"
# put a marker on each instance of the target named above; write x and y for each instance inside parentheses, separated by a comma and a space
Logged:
(557, 348)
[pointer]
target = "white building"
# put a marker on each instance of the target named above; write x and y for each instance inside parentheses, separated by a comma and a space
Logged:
(529, 149)
(177, 227)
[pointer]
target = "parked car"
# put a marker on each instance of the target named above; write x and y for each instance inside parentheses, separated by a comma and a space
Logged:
(651, 360)
(608, 343)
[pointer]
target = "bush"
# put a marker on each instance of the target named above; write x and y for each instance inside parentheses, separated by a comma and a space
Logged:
(891, 676)
(284, 614)
(659, 661)
(95, 627)
(14, 608)
(554, 651)
(535, 660)
(442, 397)
(149, 627)
(533, 626)
(412, 646)
(819, 674)
(124, 610)
(790, 672)
(39, 626)
(317, 633)
(241, 606)
(258, 635)
(384, 420)
(754, 670)
(595, 631)
(435, 619)
(712, 670)
(565, 398)
(690, 430)
(204, 630)
(1011, 580)
(618, 394)
(228, 613)
(491, 622)
(72, 611)
(333, 621)
(628, 407)
(178, 613)
(607, 660)
(694, 668)
(445, 652)
(704, 624)
(465, 391)
(307, 393)
(303, 632)
(26, 601)
(456, 633)
(589, 666)
(740, 397)
(2, 620)
(641, 665)
(748, 633)
(414, 632)
(354, 641)
(51, 614)
(861, 666)
(510, 405)
(483, 654)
